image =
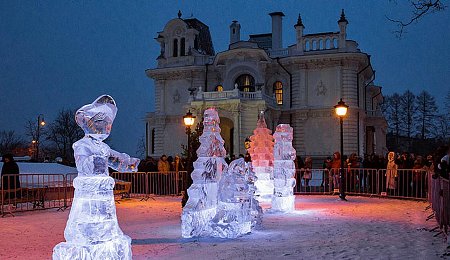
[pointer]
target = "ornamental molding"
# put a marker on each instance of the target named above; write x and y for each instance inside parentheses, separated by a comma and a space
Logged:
(320, 113)
(176, 96)
(185, 72)
(321, 89)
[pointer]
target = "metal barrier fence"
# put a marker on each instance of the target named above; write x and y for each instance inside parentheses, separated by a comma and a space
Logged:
(32, 191)
(143, 184)
(42, 191)
(440, 204)
(25, 192)
(405, 183)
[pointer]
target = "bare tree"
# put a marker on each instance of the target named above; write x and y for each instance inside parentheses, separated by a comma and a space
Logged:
(141, 150)
(408, 112)
(426, 114)
(447, 104)
(9, 141)
(392, 111)
(63, 132)
(420, 8)
(442, 128)
(31, 129)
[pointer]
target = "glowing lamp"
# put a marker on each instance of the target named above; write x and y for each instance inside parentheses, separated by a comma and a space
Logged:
(188, 119)
(341, 108)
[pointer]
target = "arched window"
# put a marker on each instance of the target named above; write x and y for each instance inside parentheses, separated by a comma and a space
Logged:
(278, 91)
(328, 44)
(245, 83)
(196, 42)
(219, 88)
(182, 47)
(175, 48)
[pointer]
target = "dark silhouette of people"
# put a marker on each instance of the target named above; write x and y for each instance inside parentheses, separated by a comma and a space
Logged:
(10, 175)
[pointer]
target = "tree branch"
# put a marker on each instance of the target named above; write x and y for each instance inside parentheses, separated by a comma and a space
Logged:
(420, 9)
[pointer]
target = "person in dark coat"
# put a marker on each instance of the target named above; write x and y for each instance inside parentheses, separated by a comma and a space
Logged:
(11, 169)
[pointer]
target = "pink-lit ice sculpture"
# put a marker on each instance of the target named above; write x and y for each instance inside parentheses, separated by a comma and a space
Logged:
(201, 206)
(92, 231)
(284, 169)
(237, 211)
(261, 152)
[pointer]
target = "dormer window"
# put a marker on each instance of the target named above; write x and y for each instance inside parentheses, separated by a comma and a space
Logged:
(219, 88)
(175, 48)
(245, 83)
(278, 91)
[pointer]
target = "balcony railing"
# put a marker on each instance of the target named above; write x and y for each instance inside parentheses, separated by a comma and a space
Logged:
(374, 113)
(278, 53)
(232, 94)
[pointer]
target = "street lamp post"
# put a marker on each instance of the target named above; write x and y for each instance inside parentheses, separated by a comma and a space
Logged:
(188, 120)
(341, 111)
(40, 123)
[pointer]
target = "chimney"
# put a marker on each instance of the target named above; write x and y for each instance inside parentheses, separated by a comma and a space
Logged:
(277, 30)
(235, 32)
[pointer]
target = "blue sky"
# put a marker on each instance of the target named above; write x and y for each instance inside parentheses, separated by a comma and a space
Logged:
(63, 54)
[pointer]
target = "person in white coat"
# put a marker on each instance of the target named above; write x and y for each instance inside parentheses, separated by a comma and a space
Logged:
(391, 172)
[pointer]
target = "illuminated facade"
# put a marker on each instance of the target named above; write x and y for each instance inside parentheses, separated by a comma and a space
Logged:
(298, 85)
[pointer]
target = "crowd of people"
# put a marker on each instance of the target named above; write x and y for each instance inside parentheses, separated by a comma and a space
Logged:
(403, 174)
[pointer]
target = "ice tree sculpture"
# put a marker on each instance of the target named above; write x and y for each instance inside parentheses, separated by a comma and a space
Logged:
(202, 203)
(284, 169)
(261, 152)
(237, 210)
(92, 230)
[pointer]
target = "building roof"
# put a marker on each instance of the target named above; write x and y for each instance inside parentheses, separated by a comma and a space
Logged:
(43, 168)
(204, 42)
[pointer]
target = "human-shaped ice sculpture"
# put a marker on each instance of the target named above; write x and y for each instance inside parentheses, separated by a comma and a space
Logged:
(92, 231)
(261, 152)
(284, 169)
(237, 210)
(202, 203)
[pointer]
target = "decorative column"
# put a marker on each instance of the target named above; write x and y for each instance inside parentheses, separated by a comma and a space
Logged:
(284, 169)
(201, 207)
(261, 152)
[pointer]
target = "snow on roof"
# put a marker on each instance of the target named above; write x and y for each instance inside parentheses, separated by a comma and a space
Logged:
(44, 168)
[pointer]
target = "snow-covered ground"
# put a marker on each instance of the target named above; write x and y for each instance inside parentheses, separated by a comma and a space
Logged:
(321, 228)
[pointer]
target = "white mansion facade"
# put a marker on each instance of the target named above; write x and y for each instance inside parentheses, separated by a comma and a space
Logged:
(298, 85)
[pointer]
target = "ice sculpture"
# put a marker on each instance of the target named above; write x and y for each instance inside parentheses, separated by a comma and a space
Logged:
(284, 169)
(92, 230)
(237, 210)
(201, 206)
(261, 152)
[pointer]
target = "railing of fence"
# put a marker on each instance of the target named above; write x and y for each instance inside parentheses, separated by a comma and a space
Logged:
(32, 191)
(440, 203)
(42, 191)
(26, 192)
(361, 181)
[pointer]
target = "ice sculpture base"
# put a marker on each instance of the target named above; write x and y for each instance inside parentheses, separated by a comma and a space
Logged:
(231, 221)
(119, 248)
(196, 223)
(283, 204)
(264, 190)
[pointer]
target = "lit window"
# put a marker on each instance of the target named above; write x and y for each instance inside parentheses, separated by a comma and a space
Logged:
(245, 83)
(278, 91)
(219, 88)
